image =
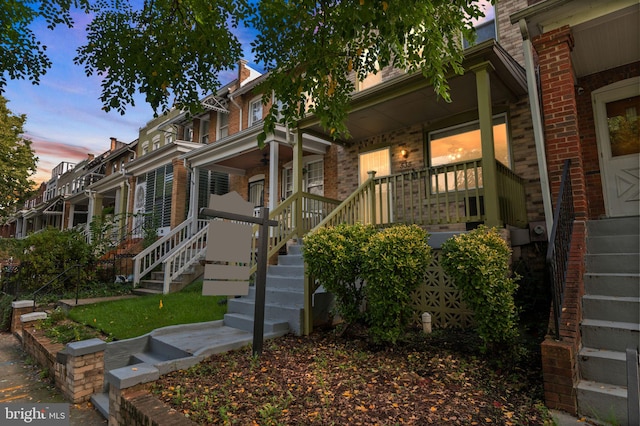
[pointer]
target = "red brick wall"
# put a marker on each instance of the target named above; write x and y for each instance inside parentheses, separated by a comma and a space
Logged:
(179, 193)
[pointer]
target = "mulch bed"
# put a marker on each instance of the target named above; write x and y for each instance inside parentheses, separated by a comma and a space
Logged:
(328, 379)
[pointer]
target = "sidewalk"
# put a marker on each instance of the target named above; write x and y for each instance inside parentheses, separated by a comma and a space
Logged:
(21, 382)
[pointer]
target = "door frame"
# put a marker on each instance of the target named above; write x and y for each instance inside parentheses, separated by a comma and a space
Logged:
(600, 97)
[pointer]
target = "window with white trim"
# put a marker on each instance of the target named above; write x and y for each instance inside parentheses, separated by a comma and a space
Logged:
(223, 125)
(312, 178)
(255, 111)
(204, 131)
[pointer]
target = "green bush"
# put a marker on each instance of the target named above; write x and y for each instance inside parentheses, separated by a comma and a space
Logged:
(334, 257)
(43, 256)
(478, 263)
(394, 265)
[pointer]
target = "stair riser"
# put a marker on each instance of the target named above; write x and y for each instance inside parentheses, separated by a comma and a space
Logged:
(271, 312)
(609, 409)
(613, 244)
(612, 285)
(622, 263)
(166, 350)
(286, 271)
(611, 310)
(151, 285)
(620, 226)
(603, 370)
(291, 260)
(278, 297)
(246, 324)
(284, 283)
(294, 250)
(613, 339)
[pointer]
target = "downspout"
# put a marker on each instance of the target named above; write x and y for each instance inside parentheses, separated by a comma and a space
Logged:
(538, 129)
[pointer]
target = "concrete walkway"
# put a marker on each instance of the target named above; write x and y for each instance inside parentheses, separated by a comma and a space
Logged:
(21, 382)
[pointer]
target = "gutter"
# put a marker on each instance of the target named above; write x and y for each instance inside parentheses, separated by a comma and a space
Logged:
(538, 128)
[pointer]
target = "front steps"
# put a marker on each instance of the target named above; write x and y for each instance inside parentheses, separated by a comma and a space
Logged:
(610, 317)
(284, 298)
(155, 282)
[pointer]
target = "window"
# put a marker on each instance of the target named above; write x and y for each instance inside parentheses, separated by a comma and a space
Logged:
(461, 144)
(145, 148)
(188, 133)
(204, 131)
(168, 138)
(256, 191)
(255, 111)
(312, 177)
(485, 26)
(380, 162)
(223, 125)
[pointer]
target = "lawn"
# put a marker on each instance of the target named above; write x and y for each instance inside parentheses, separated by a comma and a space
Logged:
(329, 379)
(123, 319)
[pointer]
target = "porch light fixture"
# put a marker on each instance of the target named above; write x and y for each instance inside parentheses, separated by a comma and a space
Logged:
(404, 153)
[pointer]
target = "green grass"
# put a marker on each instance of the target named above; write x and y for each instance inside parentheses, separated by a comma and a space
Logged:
(123, 319)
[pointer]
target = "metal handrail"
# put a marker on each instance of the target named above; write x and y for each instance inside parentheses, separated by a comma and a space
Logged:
(557, 258)
(76, 266)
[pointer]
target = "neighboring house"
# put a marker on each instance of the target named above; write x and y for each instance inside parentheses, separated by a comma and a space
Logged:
(583, 65)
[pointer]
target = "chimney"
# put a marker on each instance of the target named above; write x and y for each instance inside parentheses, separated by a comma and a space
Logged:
(243, 72)
(114, 143)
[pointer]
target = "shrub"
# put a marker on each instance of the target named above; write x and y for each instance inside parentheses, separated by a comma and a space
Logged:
(478, 263)
(394, 265)
(43, 256)
(334, 257)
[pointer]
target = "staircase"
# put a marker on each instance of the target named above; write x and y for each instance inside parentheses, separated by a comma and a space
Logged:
(611, 317)
(154, 284)
(284, 298)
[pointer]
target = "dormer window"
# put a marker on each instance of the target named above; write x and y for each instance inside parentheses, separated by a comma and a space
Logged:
(156, 142)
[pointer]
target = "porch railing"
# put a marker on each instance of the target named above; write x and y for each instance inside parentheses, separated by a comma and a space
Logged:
(559, 244)
(447, 194)
(152, 256)
(181, 259)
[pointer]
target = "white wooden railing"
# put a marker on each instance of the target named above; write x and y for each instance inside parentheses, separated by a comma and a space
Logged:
(156, 253)
(188, 253)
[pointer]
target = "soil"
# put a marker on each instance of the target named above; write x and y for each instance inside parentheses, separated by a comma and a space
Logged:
(332, 379)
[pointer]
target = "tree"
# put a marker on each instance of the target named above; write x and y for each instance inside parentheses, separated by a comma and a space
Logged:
(172, 51)
(17, 160)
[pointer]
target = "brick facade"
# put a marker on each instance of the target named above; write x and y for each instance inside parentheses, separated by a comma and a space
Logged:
(179, 192)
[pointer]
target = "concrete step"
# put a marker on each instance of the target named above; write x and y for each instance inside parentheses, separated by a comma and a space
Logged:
(152, 284)
(601, 401)
(609, 284)
(245, 322)
(294, 249)
(614, 226)
(610, 335)
(158, 346)
(286, 271)
(272, 311)
(291, 260)
(101, 402)
(141, 291)
(618, 263)
(279, 296)
(613, 244)
(152, 358)
(604, 366)
(293, 283)
(608, 308)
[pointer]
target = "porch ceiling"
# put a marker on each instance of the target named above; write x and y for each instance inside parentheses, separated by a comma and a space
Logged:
(410, 99)
(606, 33)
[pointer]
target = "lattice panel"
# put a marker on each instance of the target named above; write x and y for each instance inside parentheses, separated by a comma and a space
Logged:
(439, 296)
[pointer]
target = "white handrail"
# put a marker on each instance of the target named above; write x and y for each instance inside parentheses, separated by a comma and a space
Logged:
(184, 256)
(153, 255)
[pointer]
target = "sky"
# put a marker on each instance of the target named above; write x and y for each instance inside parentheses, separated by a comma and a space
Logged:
(65, 120)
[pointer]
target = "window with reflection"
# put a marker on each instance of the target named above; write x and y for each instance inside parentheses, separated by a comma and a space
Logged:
(624, 132)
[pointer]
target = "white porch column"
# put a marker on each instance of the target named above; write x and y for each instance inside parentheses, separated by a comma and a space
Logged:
(297, 182)
(194, 189)
(273, 175)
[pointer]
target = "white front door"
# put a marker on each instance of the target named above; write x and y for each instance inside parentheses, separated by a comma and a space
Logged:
(616, 111)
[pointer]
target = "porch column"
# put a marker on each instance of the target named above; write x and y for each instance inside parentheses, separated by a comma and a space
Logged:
(194, 190)
(489, 169)
(19, 227)
(273, 175)
(72, 212)
(178, 193)
(297, 182)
